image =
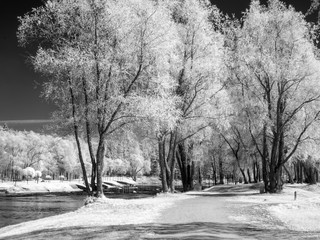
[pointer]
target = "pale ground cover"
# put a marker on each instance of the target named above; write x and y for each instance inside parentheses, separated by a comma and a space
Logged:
(32, 186)
(233, 204)
(280, 210)
(104, 212)
(54, 186)
(302, 214)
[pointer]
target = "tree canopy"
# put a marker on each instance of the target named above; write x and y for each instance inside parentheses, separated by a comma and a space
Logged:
(135, 77)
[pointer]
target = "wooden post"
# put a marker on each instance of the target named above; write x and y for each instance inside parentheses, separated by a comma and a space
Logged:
(295, 195)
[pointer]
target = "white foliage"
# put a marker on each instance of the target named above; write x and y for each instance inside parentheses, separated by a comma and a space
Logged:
(275, 64)
(29, 172)
(38, 174)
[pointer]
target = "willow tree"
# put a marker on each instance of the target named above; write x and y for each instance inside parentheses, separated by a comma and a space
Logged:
(275, 75)
(102, 58)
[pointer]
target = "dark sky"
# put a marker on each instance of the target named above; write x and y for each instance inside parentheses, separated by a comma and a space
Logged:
(20, 87)
(19, 97)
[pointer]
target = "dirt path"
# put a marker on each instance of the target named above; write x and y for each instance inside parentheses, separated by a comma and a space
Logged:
(199, 209)
(216, 214)
(213, 205)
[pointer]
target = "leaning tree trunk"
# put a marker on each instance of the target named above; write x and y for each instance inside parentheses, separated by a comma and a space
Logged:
(243, 175)
(171, 159)
(84, 172)
(273, 165)
(76, 134)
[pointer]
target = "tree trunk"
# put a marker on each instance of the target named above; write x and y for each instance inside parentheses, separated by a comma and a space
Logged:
(273, 174)
(134, 175)
(172, 173)
(182, 166)
(186, 168)
(221, 175)
(310, 173)
(190, 175)
(289, 174)
(172, 159)
(100, 165)
(277, 152)
(243, 175)
(249, 175)
(273, 179)
(265, 175)
(199, 175)
(300, 172)
(255, 178)
(89, 137)
(76, 134)
(84, 172)
(258, 172)
(214, 171)
(281, 155)
(163, 171)
(279, 179)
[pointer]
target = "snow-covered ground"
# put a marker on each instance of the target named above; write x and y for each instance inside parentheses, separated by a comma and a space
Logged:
(302, 214)
(283, 210)
(104, 212)
(38, 187)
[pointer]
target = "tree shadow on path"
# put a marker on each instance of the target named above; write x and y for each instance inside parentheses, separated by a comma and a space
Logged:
(194, 231)
(235, 188)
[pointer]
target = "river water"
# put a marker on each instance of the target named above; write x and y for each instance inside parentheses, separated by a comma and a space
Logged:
(15, 210)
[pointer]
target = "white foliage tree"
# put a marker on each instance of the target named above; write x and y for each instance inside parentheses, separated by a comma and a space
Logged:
(276, 76)
(103, 59)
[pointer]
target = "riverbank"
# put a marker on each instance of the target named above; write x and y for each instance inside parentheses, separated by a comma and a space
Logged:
(100, 214)
(31, 188)
(222, 212)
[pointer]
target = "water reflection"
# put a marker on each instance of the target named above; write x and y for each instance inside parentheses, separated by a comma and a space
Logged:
(15, 210)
